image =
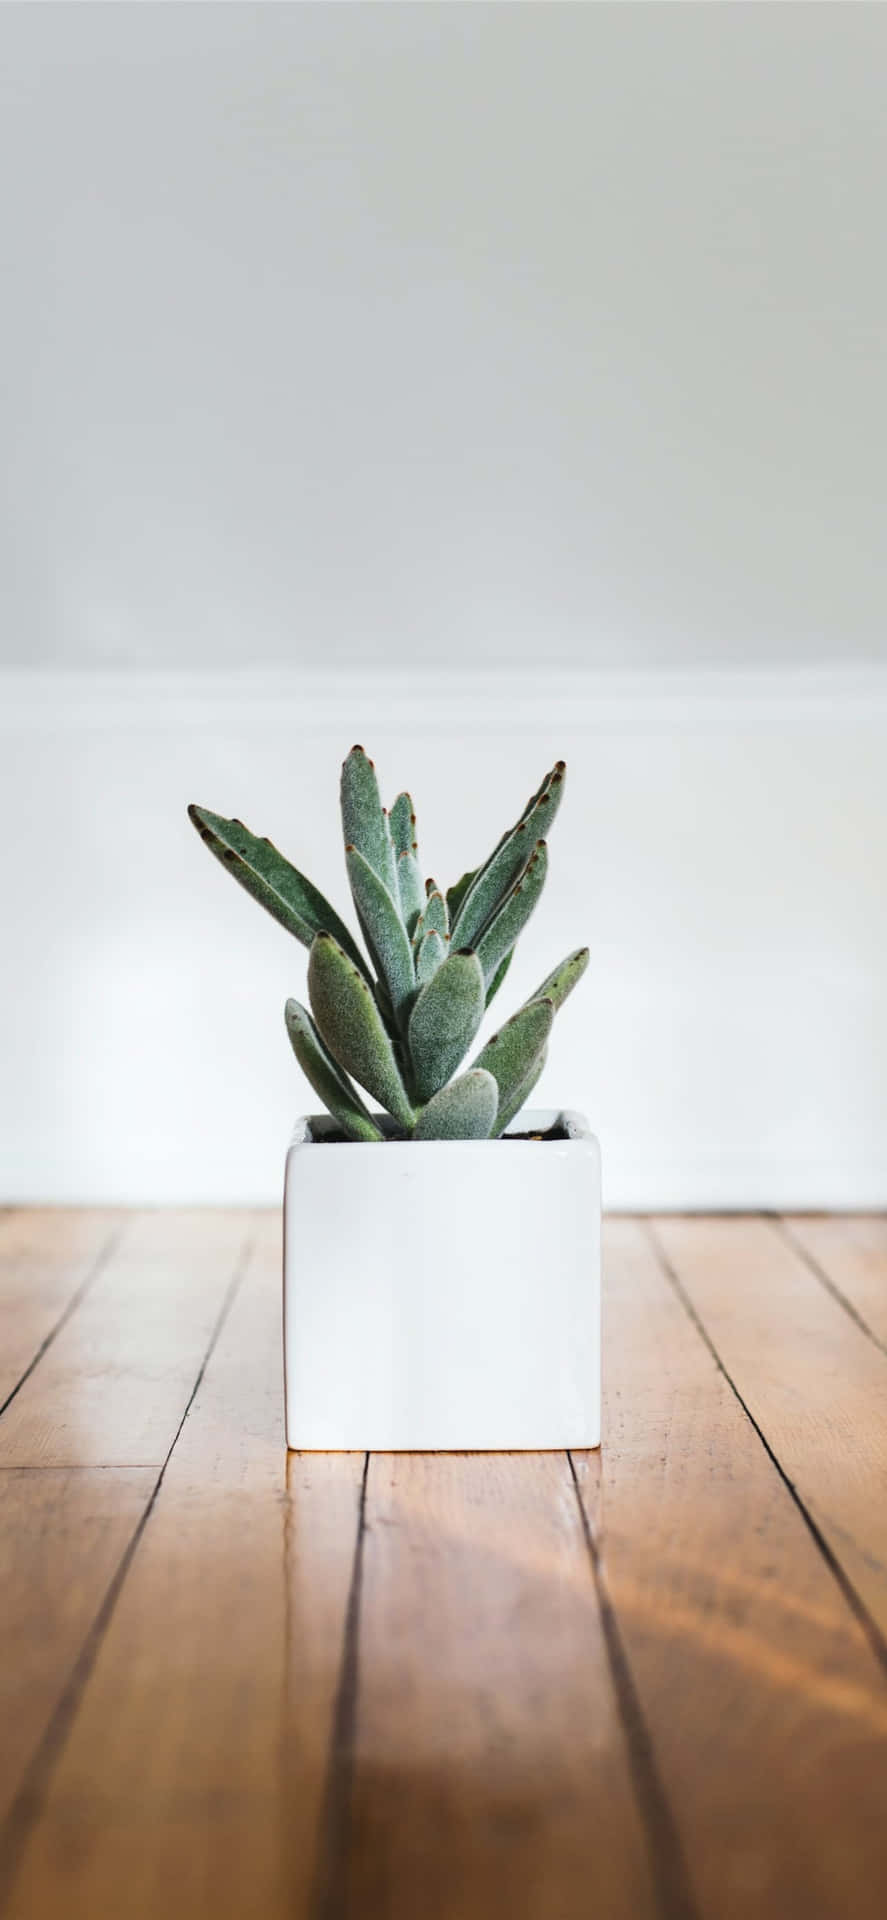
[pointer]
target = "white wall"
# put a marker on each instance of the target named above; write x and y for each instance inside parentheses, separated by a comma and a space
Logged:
(721, 848)
(353, 346)
(444, 334)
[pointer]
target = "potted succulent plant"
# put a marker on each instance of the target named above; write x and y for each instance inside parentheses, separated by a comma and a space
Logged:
(444, 1293)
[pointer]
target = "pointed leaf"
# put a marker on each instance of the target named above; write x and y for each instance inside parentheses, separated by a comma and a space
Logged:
(411, 890)
(564, 978)
(559, 769)
(503, 930)
(520, 1094)
(444, 1021)
(402, 824)
(383, 931)
(364, 821)
(339, 1097)
(456, 893)
(499, 976)
(514, 1051)
(493, 880)
(351, 1024)
(431, 955)
(465, 1110)
(279, 887)
(434, 916)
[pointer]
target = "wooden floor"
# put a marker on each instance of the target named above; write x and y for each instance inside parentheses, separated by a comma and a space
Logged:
(650, 1681)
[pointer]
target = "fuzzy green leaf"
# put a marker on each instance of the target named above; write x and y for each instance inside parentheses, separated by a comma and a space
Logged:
(464, 1110)
(411, 890)
(431, 955)
(434, 917)
(383, 931)
(519, 1095)
(493, 880)
(444, 1021)
(339, 1097)
(269, 877)
(500, 935)
(364, 821)
(561, 982)
(456, 893)
(514, 1051)
(402, 824)
(351, 1024)
(499, 976)
(557, 772)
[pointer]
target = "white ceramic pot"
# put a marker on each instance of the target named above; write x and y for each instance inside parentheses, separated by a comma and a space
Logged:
(443, 1294)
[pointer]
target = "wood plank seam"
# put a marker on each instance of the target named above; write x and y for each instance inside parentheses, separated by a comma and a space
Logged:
(819, 1272)
(29, 1800)
(329, 1895)
(852, 1597)
(98, 1267)
(668, 1864)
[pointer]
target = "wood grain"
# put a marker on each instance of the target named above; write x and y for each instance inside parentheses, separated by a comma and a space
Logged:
(490, 1766)
(455, 1710)
(851, 1251)
(811, 1378)
(63, 1534)
(193, 1779)
(112, 1388)
(766, 1706)
(46, 1257)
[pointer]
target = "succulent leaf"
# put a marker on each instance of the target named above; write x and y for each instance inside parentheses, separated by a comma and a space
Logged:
(364, 821)
(456, 894)
(492, 881)
(431, 955)
(509, 921)
(279, 887)
(499, 976)
(519, 1095)
(383, 930)
(561, 982)
(339, 1097)
(444, 1021)
(512, 1053)
(464, 1110)
(410, 889)
(352, 1027)
(557, 772)
(435, 915)
(402, 824)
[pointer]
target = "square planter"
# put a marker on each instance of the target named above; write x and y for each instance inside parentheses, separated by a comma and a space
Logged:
(443, 1294)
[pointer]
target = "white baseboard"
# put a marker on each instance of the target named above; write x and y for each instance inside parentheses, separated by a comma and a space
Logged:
(722, 849)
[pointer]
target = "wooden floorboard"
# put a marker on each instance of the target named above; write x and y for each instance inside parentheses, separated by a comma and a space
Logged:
(63, 1534)
(193, 1778)
(48, 1256)
(764, 1701)
(849, 1254)
(491, 1771)
(113, 1386)
(649, 1681)
(811, 1378)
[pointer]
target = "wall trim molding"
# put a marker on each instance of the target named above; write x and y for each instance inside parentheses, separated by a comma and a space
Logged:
(723, 855)
(49, 698)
